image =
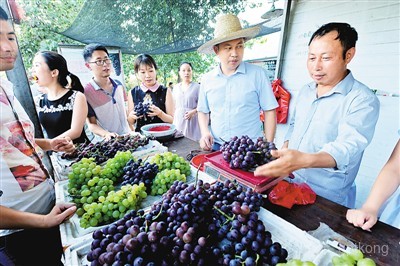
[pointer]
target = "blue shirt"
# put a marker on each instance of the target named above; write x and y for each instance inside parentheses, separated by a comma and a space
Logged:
(340, 123)
(234, 102)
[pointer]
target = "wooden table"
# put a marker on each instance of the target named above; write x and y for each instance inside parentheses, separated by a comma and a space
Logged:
(182, 146)
(382, 244)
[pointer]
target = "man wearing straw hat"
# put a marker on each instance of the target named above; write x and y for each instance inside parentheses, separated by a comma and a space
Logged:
(232, 95)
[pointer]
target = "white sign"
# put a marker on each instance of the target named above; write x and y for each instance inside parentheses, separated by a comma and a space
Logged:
(76, 63)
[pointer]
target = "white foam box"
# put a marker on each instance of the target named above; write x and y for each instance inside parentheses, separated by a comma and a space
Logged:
(62, 167)
(324, 258)
(298, 243)
(70, 230)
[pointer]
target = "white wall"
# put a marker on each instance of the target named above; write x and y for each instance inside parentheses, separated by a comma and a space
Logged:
(376, 64)
(76, 63)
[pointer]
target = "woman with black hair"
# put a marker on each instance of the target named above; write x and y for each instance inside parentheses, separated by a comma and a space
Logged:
(186, 96)
(150, 92)
(63, 109)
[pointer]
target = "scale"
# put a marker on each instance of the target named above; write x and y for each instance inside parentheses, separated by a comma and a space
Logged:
(218, 168)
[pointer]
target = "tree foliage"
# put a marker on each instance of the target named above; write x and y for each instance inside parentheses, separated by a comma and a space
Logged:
(43, 20)
(148, 22)
(155, 27)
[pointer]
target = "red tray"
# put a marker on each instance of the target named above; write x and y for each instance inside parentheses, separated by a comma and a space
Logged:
(217, 159)
(198, 161)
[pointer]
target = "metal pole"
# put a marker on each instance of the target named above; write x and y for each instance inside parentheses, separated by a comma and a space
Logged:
(284, 37)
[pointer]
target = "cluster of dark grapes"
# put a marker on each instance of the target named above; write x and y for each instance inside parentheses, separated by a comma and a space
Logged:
(142, 109)
(243, 239)
(196, 224)
(244, 153)
(106, 149)
(136, 172)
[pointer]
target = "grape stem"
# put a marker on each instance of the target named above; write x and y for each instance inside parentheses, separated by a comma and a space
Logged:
(235, 183)
(159, 213)
(197, 174)
(223, 140)
(146, 159)
(224, 214)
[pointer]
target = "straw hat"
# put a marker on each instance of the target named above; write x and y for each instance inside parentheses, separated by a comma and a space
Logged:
(228, 28)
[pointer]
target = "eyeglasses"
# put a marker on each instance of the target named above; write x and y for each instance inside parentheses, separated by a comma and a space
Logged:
(101, 62)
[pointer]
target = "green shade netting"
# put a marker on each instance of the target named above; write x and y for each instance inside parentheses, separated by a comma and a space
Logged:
(154, 26)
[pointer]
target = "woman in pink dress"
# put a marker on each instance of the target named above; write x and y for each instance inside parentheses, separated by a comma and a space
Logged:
(186, 95)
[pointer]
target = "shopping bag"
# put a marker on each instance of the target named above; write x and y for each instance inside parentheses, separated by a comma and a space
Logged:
(288, 194)
(283, 98)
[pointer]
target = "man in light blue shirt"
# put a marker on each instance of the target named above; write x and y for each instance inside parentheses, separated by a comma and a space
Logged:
(232, 95)
(333, 121)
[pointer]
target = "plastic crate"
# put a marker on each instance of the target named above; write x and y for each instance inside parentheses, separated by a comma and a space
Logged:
(298, 243)
(62, 166)
(72, 233)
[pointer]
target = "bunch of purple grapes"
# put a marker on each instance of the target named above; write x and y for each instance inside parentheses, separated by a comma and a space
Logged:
(136, 172)
(243, 239)
(106, 149)
(198, 224)
(244, 153)
(142, 108)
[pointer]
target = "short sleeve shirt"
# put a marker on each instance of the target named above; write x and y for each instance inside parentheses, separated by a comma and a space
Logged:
(234, 102)
(109, 109)
(340, 123)
(24, 185)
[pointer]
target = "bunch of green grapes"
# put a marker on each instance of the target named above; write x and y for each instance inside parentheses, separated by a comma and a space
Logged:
(296, 262)
(90, 192)
(164, 180)
(81, 173)
(353, 257)
(169, 160)
(114, 167)
(114, 206)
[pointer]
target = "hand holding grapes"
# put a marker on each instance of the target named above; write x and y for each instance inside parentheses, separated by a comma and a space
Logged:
(134, 116)
(291, 160)
(109, 135)
(63, 144)
(287, 161)
(139, 111)
(154, 111)
(364, 217)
